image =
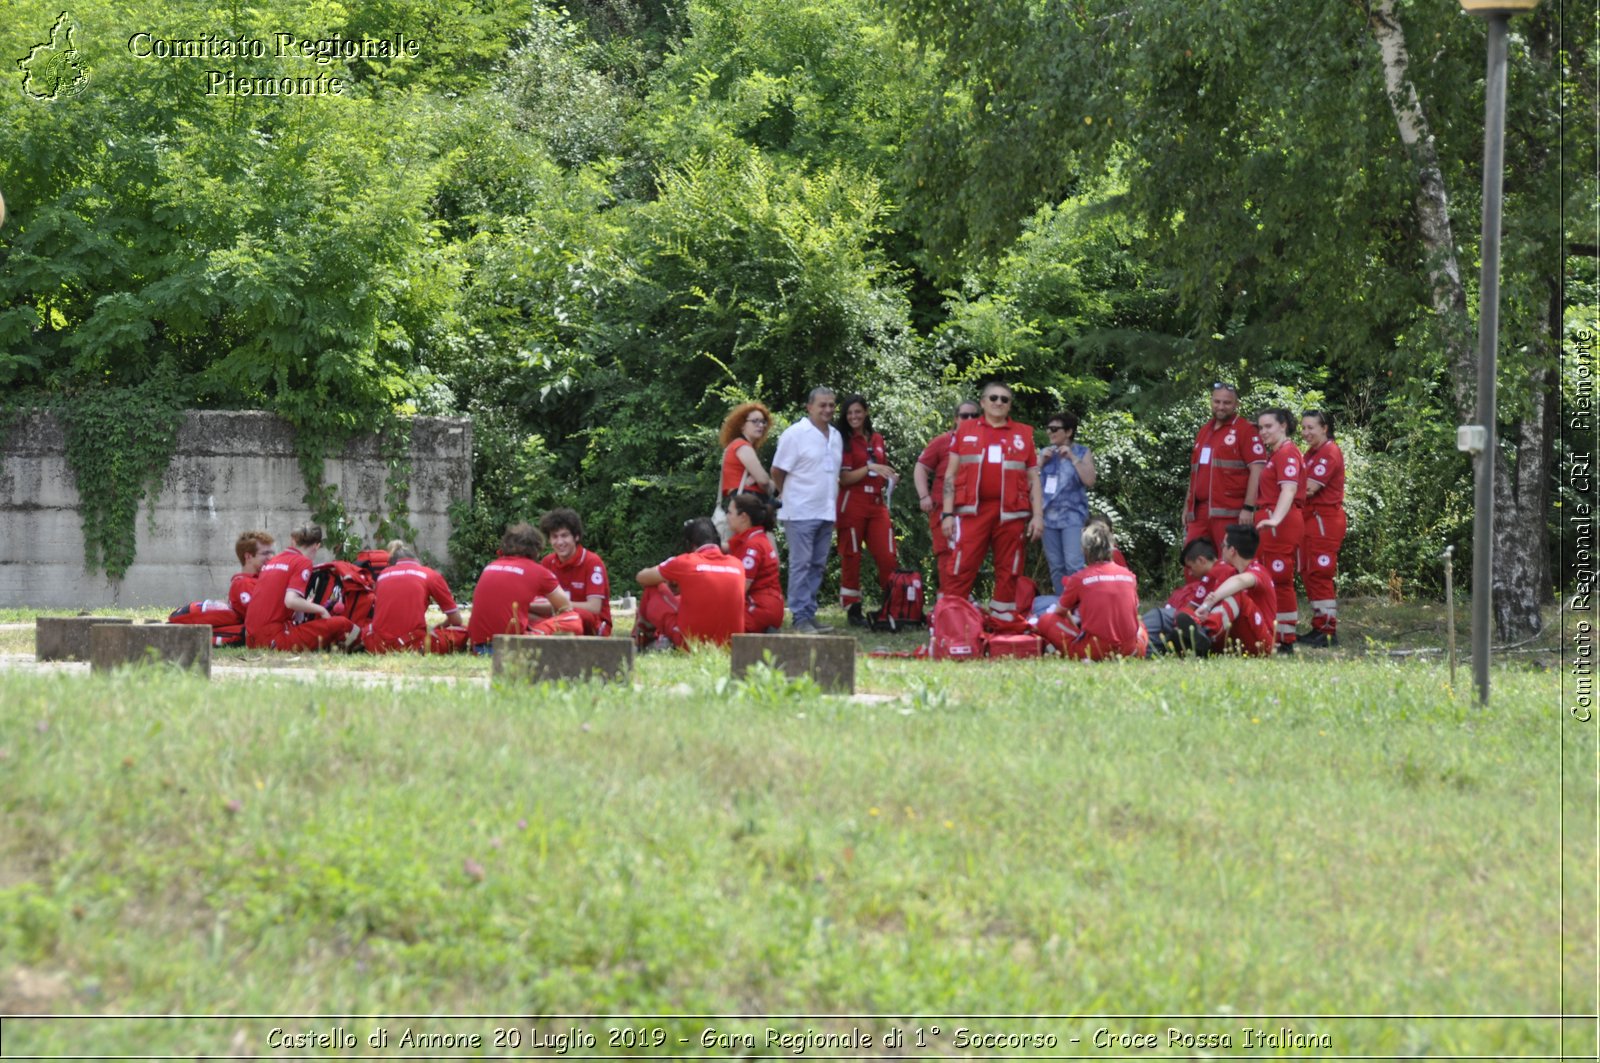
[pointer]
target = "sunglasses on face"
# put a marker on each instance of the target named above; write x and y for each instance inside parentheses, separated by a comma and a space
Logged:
(974, 415)
(1004, 400)
(1057, 427)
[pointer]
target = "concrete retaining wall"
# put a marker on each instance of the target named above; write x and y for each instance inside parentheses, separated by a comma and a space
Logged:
(233, 472)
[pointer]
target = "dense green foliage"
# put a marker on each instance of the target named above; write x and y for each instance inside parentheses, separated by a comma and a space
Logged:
(592, 230)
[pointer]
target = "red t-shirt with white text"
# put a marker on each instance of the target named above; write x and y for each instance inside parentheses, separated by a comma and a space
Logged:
(505, 590)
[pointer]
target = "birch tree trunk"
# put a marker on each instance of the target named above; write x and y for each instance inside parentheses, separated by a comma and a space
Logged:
(1522, 488)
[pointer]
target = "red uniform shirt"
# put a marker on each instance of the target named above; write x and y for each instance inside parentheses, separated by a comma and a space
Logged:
(583, 577)
(754, 550)
(241, 590)
(933, 458)
(402, 594)
(1106, 598)
(710, 593)
(991, 464)
(1219, 466)
(1255, 625)
(267, 615)
(1324, 464)
(1283, 466)
(1191, 594)
(504, 592)
(859, 451)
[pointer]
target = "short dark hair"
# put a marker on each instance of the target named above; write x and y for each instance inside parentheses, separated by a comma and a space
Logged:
(698, 532)
(1199, 548)
(307, 535)
(521, 540)
(753, 506)
(1068, 419)
(1322, 416)
(1243, 538)
(559, 519)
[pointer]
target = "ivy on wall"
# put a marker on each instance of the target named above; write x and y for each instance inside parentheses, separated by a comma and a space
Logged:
(119, 443)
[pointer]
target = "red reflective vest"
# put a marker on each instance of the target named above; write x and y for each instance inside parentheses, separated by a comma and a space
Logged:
(1009, 445)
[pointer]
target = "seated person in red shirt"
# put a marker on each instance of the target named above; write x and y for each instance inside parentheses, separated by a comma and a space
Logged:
(400, 610)
(581, 571)
(253, 549)
(280, 616)
(749, 517)
(708, 602)
(1241, 610)
(502, 602)
(1097, 615)
(1202, 571)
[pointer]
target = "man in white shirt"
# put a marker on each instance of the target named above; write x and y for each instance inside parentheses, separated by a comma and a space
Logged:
(805, 472)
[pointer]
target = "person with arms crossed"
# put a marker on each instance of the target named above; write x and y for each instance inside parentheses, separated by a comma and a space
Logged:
(805, 471)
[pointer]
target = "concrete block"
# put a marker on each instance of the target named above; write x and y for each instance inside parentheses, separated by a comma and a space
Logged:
(538, 658)
(118, 645)
(828, 659)
(66, 638)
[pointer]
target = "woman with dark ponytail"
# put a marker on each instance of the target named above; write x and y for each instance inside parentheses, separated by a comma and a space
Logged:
(749, 517)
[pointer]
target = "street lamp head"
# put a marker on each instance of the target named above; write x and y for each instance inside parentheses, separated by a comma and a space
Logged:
(1498, 7)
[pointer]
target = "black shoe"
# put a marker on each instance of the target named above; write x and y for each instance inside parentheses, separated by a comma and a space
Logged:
(1321, 640)
(1286, 649)
(1192, 638)
(855, 616)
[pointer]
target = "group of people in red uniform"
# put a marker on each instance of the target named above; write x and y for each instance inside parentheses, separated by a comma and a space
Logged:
(1257, 512)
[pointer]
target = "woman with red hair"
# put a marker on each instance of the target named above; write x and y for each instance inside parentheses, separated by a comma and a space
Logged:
(743, 432)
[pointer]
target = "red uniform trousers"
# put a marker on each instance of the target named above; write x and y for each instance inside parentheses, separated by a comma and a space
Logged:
(975, 534)
(658, 612)
(1207, 526)
(944, 558)
(311, 635)
(1279, 554)
(1070, 641)
(865, 525)
(762, 613)
(443, 639)
(1319, 563)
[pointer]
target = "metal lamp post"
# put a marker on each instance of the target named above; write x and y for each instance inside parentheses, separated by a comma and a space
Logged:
(1480, 438)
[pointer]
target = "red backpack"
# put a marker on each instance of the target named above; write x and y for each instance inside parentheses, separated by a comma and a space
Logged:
(344, 589)
(957, 630)
(902, 603)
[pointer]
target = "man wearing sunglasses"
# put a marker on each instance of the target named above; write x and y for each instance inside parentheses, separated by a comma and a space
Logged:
(1224, 469)
(929, 478)
(991, 488)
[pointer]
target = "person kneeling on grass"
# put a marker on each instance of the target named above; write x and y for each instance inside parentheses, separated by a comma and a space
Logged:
(280, 616)
(400, 613)
(749, 517)
(1242, 609)
(1097, 615)
(696, 596)
(502, 602)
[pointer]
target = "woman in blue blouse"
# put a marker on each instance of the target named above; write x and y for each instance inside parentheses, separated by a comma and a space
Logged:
(1067, 470)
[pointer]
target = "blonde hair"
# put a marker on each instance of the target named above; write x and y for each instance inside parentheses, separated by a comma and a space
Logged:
(733, 424)
(1096, 543)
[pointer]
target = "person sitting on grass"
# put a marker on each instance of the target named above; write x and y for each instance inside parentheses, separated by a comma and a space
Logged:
(1242, 609)
(400, 612)
(749, 517)
(697, 596)
(1097, 615)
(1202, 571)
(581, 571)
(253, 549)
(280, 616)
(502, 601)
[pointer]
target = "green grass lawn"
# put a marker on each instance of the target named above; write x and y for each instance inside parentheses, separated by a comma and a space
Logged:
(1319, 836)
